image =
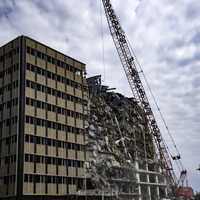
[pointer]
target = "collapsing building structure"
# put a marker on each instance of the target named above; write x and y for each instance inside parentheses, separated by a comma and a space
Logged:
(121, 161)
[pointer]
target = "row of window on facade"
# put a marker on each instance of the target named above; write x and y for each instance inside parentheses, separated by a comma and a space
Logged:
(8, 122)
(53, 60)
(9, 54)
(44, 141)
(54, 92)
(42, 159)
(53, 76)
(53, 160)
(53, 125)
(53, 179)
(53, 108)
(8, 87)
(9, 70)
(8, 179)
(11, 139)
(7, 160)
(8, 104)
(53, 142)
(45, 179)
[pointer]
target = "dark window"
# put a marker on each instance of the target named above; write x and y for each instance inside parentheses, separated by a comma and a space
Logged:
(58, 93)
(28, 66)
(32, 52)
(33, 68)
(59, 126)
(53, 76)
(1, 58)
(43, 72)
(49, 90)
(31, 158)
(49, 58)
(39, 104)
(58, 63)
(38, 122)
(39, 70)
(26, 157)
(43, 56)
(27, 138)
(38, 140)
(25, 177)
(28, 50)
(39, 54)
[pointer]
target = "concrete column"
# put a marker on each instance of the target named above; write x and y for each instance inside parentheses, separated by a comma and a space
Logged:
(138, 179)
(149, 189)
(157, 188)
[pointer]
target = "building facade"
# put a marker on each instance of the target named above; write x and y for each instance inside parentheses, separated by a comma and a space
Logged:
(123, 163)
(43, 96)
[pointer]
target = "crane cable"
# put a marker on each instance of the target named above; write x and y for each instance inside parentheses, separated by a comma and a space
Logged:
(159, 110)
(177, 157)
(102, 39)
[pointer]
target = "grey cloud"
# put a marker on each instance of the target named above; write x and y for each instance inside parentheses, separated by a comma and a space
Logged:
(196, 37)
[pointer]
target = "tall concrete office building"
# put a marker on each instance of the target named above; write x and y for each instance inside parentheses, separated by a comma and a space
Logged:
(42, 107)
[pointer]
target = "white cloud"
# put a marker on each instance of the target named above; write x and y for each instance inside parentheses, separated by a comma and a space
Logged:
(165, 36)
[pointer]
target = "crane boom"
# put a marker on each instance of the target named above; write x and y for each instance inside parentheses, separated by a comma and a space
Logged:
(128, 61)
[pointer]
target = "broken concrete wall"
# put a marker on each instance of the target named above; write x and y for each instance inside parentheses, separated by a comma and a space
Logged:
(120, 147)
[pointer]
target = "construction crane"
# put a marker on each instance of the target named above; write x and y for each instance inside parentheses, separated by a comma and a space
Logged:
(183, 177)
(129, 63)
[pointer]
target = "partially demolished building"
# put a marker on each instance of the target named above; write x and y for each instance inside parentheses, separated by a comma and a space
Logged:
(121, 158)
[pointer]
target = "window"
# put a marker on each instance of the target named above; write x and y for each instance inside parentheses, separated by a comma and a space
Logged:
(39, 104)
(28, 66)
(43, 88)
(39, 54)
(27, 138)
(49, 90)
(28, 50)
(26, 158)
(58, 63)
(32, 85)
(59, 78)
(39, 87)
(8, 122)
(43, 56)
(53, 76)
(53, 60)
(47, 160)
(32, 52)
(78, 72)
(8, 104)
(16, 67)
(39, 70)
(37, 179)
(49, 74)
(43, 72)
(38, 122)
(49, 107)
(61, 64)
(54, 92)
(49, 58)
(1, 58)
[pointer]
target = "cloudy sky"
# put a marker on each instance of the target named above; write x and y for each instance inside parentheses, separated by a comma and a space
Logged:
(165, 36)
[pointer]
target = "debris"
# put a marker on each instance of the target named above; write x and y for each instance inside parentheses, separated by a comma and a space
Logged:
(119, 140)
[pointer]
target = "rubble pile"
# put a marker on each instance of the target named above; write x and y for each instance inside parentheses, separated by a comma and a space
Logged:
(118, 135)
(111, 146)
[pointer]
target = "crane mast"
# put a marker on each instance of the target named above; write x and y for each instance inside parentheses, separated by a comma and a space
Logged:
(128, 61)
